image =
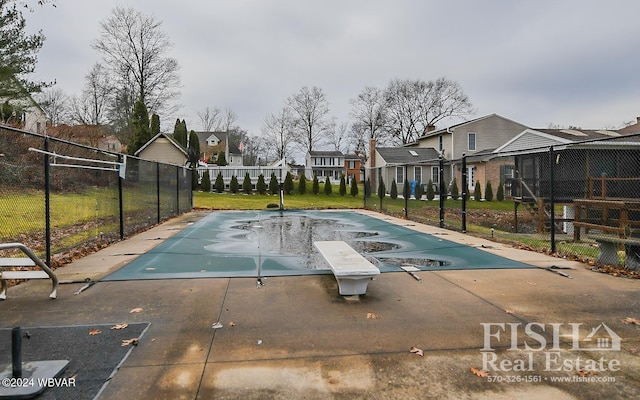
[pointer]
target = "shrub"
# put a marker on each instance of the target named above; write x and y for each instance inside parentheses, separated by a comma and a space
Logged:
(394, 190)
(327, 186)
(381, 191)
(354, 187)
(430, 192)
(302, 184)
(343, 186)
(261, 186)
(206, 181)
(274, 186)
(488, 192)
(406, 189)
(246, 184)
(455, 192)
(477, 192)
(500, 192)
(367, 188)
(194, 178)
(233, 185)
(288, 184)
(418, 192)
(316, 185)
(219, 183)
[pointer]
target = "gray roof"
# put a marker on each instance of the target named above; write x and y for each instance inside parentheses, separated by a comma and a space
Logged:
(579, 135)
(327, 153)
(403, 155)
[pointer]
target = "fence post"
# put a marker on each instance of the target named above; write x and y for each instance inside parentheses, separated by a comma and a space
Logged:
(177, 211)
(552, 218)
(406, 192)
(120, 198)
(47, 203)
(464, 193)
(158, 188)
(442, 191)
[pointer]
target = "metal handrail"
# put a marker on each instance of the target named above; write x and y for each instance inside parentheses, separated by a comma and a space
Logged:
(37, 261)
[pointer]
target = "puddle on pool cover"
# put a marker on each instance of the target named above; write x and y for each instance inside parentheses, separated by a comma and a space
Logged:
(293, 236)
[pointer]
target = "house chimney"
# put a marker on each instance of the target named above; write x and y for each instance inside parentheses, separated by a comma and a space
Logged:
(637, 120)
(430, 128)
(372, 153)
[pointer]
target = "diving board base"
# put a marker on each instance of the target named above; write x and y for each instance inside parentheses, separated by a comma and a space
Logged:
(352, 271)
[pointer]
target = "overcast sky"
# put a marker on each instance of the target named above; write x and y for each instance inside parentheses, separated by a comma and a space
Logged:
(536, 62)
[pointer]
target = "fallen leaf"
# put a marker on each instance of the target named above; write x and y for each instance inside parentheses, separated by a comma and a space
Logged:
(135, 310)
(509, 311)
(585, 372)
(479, 372)
(371, 315)
(217, 325)
(633, 350)
(95, 331)
(126, 342)
(119, 326)
(417, 351)
(232, 323)
(630, 321)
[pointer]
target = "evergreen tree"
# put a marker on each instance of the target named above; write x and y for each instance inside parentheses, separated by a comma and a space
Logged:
(302, 184)
(288, 183)
(381, 191)
(274, 186)
(394, 190)
(194, 143)
(343, 186)
(233, 185)
(419, 191)
(180, 132)
(430, 192)
(455, 192)
(354, 187)
(246, 184)
(261, 186)
(155, 124)
(140, 125)
(500, 192)
(315, 188)
(488, 192)
(367, 188)
(221, 160)
(406, 189)
(219, 183)
(194, 178)
(327, 186)
(206, 181)
(477, 192)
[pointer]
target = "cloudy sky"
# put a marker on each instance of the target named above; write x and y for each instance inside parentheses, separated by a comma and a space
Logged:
(542, 62)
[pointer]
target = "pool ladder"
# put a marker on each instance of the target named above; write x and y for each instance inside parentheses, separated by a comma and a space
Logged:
(31, 261)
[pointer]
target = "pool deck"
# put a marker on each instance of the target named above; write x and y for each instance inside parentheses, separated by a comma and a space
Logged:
(297, 338)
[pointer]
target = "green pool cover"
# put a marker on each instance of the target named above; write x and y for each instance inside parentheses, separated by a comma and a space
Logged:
(275, 243)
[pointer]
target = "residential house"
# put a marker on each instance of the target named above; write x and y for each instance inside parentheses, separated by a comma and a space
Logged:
(325, 164)
(31, 117)
(163, 148)
(98, 136)
(352, 164)
(476, 139)
(214, 143)
(417, 164)
(633, 128)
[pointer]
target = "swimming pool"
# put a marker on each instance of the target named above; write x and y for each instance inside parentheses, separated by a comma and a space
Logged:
(280, 243)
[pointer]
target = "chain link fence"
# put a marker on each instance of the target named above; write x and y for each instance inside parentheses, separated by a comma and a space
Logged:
(59, 198)
(573, 197)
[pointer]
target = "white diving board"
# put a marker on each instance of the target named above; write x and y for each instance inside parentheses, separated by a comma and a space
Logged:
(352, 270)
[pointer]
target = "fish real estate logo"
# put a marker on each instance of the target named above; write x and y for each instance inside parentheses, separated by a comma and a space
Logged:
(559, 344)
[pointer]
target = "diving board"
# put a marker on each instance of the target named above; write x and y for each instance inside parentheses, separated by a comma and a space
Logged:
(352, 271)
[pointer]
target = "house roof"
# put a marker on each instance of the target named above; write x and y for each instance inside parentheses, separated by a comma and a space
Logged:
(451, 128)
(168, 137)
(326, 153)
(351, 157)
(579, 135)
(404, 155)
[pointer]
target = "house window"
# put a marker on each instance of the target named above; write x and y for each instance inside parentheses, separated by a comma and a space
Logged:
(472, 141)
(399, 174)
(471, 182)
(435, 175)
(417, 174)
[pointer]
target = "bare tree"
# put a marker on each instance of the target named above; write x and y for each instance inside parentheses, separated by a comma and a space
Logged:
(55, 103)
(134, 48)
(278, 133)
(369, 112)
(210, 118)
(414, 105)
(91, 107)
(337, 136)
(227, 121)
(311, 109)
